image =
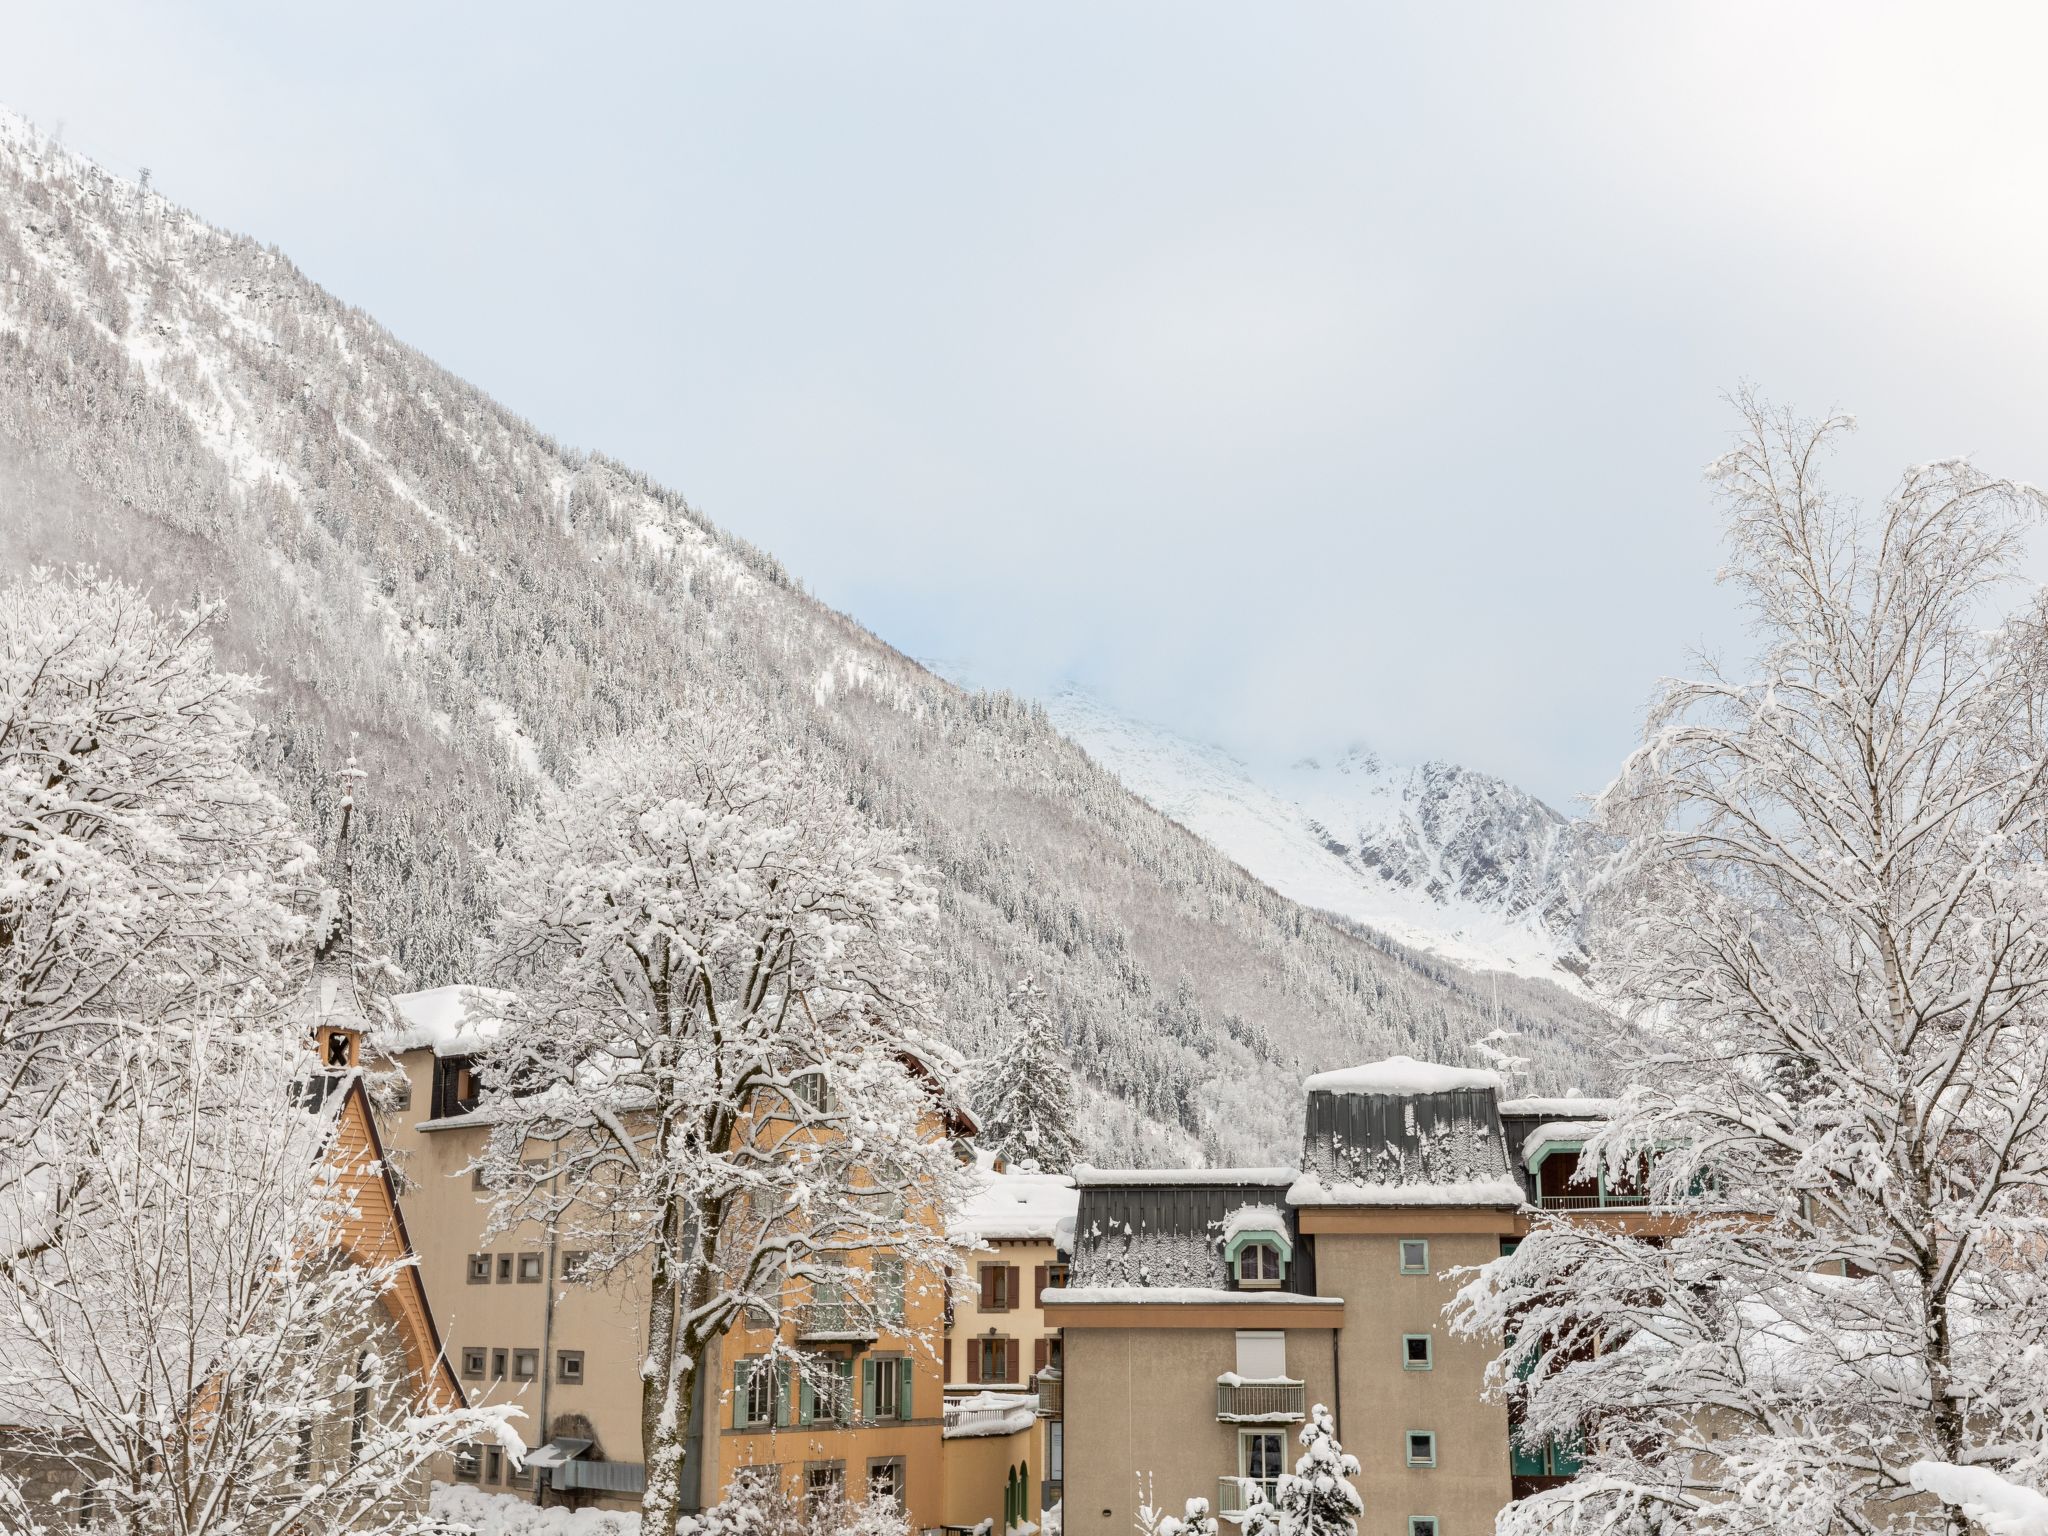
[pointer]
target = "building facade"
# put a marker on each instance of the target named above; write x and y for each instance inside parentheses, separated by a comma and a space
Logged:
(1207, 1311)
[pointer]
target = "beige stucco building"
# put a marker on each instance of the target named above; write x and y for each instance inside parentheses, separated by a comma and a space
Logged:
(1209, 1310)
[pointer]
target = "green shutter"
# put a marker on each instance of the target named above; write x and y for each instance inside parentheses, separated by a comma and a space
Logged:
(741, 1379)
(806, 1399)
(1566, 1456)
(782, 1396)
(867, 1391)
(903, 1388)
(1526, 1462)
(889, 1288)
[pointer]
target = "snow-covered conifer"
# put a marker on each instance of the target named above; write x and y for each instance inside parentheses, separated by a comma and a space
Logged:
(1317, 1497)
(1830, 924)
(1023, 1086)
(1194, 1520)
(722, 973)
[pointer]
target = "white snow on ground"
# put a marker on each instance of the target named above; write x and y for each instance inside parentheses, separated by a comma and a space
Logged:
(1015, 1204)
(1402, 1075)
(1280, 825)
(2001, 1506)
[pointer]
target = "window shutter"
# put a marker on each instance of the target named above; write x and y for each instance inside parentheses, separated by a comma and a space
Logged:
(1038, 1349)
(740, 1373)
(903, 1387)
(806, 1400)
(867, 1391)
(990, 1300)
(1011, 1291)
(948, 1376)
(782, 1395)
(973, 1362)
(1003, 1371)
(1038, 1286)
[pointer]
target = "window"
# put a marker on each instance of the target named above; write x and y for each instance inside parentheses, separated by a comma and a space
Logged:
(753, 1393)
(1422, 1525)
(889, 1289)
(526, 1363)
(813, 1089)
(1508, 1245)
(1262, 1356)
(1421, 1448)
(1258, 1265)
(504, 1268)
(479, 1269)
(467, 1462)
(885, 1388)
(1261, 1458)
(988, 1359)
(476, 1177)
(1415, 1352)
(473, 1364)
(574, 1262)
(569, 1365)
(1414, 1256)
(1551, 1458)
(302, 1454)
(494, 1464)
(998, 1287)
(530, 1266)
(499, 1358)
(885, 1480)
(824, 1483)
(825, 1394)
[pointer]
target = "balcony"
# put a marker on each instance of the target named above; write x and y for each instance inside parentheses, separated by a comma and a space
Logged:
(1590, 1200)
(1050, 1393)
(830, 1322)
(1259, 1402)
(1233, 1495)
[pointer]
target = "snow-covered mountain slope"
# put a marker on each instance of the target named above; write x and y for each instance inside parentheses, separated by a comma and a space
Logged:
(1460, 864)
(404, 558)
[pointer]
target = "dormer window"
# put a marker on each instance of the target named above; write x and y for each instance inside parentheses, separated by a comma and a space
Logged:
(1258, 1266)
(1257, 1248)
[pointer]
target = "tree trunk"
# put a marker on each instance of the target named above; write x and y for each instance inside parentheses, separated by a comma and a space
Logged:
(668, 1376)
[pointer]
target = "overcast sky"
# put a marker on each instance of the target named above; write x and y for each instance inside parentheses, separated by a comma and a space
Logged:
(1297, 375)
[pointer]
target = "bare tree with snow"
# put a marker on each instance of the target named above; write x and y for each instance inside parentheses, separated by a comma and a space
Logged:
(719, 1056)
(196, 1348)
(145, 870)
(1831, 923)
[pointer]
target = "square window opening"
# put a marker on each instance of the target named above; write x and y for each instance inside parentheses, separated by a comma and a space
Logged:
(1416, 1352)
(1421, 1448)
(1414, 1256)
(504, 1269)
(1422, 1525)
(530, 1268)
(569, 1365)
(479, 1269)
(473, 1364)
(500, 1360)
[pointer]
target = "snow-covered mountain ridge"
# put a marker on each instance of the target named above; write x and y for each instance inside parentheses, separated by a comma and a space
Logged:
(1443, 859)
(405, 559)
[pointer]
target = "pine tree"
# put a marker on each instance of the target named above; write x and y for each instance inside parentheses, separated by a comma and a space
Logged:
(1317, 1498)
(1023, 1088)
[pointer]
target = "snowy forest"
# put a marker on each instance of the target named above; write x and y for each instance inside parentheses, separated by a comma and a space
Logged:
(412, 568)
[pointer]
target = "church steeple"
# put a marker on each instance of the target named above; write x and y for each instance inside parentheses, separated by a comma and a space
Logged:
(338, 1016)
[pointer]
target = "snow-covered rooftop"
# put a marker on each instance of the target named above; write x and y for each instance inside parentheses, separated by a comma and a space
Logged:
(1087, 1176)
(1402, 1075)
(1016, 1204)
(1311, 1190)
(1571, 1107)
(1568, 1131)
(1255, 1218)
(449, 1021)
(1179, 1295)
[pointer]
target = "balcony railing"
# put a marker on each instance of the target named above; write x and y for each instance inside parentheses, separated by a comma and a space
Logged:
(1233, 1497)
(1259, 1402)
(1605, 1200)
(829, 1320)
(1048, 1387)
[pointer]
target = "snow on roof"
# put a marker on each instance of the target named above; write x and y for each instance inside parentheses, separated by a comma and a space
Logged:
(1572, 1107)
(1567, 1131)
(1402, 1075)
(449, 1021)
(989, 1413)
(1178, 1295)
(1311, 1190)
(1254, 1218)
(1015, 1204)
(1089, 1177)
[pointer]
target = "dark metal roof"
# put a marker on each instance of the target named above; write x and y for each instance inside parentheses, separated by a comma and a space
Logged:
(1415, 1139)
(1172, 1235)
